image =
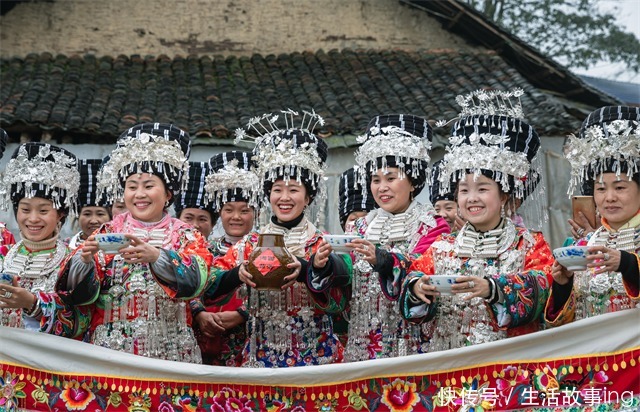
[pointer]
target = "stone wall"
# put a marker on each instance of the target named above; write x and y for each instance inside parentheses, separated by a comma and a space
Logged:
(238, 27)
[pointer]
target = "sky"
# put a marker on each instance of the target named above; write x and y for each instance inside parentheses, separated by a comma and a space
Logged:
(628, 15)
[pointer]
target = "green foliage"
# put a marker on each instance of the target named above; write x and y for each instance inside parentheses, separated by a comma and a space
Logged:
(574, 32)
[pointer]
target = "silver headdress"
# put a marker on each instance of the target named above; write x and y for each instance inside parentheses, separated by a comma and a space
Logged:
(490, 135)
(491, 103)
(232, 179)
(88, 169)
(609, 141)
(289, 152)
(194, 196)
(41, 170)
(352, 196)
(397, 140)
(160, 149)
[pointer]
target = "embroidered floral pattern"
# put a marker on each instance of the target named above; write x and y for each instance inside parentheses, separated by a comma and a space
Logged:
(226, 400)
(603, 383)
(76, 399)
(11, 390)
(400, 396)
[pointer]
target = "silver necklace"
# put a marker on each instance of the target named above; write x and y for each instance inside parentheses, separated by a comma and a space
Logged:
(33, 264)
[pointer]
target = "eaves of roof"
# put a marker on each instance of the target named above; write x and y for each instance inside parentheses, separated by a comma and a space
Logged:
(91, 99)
(537, 68)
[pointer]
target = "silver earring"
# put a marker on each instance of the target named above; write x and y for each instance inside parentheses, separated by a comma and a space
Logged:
(166, 204)
(502, 213)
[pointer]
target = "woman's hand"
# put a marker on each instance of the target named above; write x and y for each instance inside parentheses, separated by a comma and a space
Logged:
(229, 319)
(561, 275)
(139, 251)
(321, 256)
(291, 279)
(208, 324)
(476, 286)
(424, 290)
(365, 248)
(15, 297)
(89, 248)
(581, 227)
(603, 259)
(244, 275)
(457, 223)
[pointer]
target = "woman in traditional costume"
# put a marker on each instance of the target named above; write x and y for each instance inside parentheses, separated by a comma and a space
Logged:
(502, 271)
(354, 202)
(285, 328)
(606, 156)
(144, 288)
(394, 158)
(41, 183)
(232, 189)
(93, 212)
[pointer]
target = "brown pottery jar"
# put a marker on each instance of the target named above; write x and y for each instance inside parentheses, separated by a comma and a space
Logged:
(268, 262)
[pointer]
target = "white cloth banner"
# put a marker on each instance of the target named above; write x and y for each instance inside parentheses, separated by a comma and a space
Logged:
(606, 334)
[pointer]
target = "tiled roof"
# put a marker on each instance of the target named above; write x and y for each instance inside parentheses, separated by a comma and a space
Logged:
(462, 19)
(627, 92)
(211, 96)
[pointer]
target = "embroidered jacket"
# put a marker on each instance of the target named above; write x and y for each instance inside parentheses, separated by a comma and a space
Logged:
(593, 295)
(224, 349)
(38, 273)
(142, 308)
(285, 327)
(517, 260)
(376, 329)
(6, 239)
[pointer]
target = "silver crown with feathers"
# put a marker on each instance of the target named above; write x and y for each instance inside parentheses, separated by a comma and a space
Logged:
(484, 150)
(274, 154)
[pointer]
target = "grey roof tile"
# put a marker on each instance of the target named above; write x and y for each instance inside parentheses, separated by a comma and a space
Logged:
(210, 96)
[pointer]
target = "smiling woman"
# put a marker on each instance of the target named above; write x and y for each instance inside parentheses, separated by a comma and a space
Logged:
(41, 181)
(606, 156)
(286, 328)
(394, 158)
(140, 292)
(481, 201)
(501, 269)
(233, 189)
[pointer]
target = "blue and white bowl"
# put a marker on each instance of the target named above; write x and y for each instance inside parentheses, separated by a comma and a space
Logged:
(6, 278)
(338, 242)
(110, 243)
(572, 257)
(443, 283)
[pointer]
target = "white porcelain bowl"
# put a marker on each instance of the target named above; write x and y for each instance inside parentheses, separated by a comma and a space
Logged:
(110, 243)
(572, 257)
(338, 242)
(443, 283)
